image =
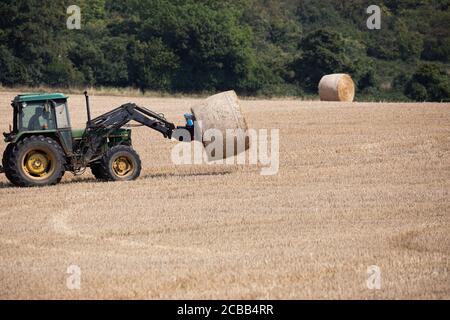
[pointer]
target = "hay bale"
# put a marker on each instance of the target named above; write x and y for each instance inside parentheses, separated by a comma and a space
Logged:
(221, 112)
(337, 87)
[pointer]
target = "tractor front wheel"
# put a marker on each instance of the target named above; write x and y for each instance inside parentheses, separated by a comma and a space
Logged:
(120, 163)
(34, 161)
(97, 171)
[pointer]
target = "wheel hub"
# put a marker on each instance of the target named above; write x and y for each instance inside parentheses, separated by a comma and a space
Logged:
(122, 166)
(37, 163)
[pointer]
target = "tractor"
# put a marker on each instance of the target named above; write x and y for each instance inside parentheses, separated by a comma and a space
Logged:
(42, 145)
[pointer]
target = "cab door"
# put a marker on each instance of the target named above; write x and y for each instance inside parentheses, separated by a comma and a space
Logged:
(63, 125)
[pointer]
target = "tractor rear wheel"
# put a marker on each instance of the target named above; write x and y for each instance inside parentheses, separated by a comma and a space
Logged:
(120, 163)
(6, 155)
(34, 161)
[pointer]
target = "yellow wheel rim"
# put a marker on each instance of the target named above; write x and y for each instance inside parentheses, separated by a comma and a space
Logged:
(122, 166)
(38, 164)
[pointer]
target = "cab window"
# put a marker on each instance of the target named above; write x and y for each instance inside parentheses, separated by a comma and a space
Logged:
(36, 116)
(62, 117)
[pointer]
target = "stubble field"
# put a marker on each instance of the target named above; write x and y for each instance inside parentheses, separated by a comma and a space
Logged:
(359, 185)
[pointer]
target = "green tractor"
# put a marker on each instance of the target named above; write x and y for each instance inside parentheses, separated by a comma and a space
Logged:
(42, 145)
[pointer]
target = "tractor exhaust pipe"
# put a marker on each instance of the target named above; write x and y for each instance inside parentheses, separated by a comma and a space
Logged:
(88, 108)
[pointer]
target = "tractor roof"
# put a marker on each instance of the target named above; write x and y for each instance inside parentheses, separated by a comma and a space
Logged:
(39, 97)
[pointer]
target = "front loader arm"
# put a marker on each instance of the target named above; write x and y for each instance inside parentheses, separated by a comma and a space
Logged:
(120, 116)
(99, 128)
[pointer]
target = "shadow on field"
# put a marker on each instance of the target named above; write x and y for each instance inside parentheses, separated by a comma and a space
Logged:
(8, 185)
(185, 174)
(5, 185)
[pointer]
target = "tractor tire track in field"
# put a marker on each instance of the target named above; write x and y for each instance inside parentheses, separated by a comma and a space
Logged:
(61, 225)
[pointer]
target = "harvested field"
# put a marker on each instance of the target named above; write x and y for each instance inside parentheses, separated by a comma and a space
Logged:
(359, 184)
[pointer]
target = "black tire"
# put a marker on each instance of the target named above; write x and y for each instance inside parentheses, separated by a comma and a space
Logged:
(6, 155)
(97, 171)
(19, 173)
(120, 156)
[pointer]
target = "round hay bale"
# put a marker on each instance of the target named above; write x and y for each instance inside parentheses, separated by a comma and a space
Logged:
(221, 112)
(337, 87)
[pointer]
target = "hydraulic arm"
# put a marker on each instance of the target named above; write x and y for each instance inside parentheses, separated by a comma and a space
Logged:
(120, 116)
(99, 128)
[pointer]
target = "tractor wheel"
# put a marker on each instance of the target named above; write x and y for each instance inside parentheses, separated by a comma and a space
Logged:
(6, 155)
(97, 171)
(34, 161)
(120, 163)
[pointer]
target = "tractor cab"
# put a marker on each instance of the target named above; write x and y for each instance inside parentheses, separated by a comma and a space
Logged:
(43, 113)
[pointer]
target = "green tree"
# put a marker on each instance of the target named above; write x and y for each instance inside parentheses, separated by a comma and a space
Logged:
(325, 52)
(322, 53)
(395, 41)
(251, 46)
(87, 57)
(152, 65)
(62, 74)
(429, 83)
(33, 31)
(12, 69)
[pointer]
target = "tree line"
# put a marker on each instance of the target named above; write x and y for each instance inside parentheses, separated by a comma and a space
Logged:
(257, 47)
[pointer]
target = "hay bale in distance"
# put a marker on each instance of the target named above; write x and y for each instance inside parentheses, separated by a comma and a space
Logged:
(221, 112)
(337, 87)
